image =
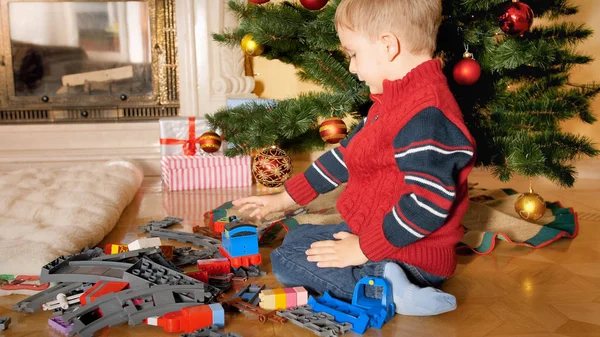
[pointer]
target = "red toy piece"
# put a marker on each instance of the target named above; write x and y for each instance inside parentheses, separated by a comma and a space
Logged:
(201, 276)
(100, 289)
(219, 225)
(214, 266)
(242, 261)
(186, 320)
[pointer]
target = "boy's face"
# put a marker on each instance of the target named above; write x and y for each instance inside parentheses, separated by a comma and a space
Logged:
(368, 59)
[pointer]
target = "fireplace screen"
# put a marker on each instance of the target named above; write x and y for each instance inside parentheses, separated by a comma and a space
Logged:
(64, 56)
(80, 48)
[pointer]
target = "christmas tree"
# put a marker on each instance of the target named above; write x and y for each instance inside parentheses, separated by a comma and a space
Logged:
(510, 79)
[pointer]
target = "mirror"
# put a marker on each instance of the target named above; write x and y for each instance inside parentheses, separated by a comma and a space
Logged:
(81, 48)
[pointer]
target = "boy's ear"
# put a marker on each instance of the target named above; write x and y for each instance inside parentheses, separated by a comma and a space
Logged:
(392, 45)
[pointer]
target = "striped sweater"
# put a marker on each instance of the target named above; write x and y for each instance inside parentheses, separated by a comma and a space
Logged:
(406, 166)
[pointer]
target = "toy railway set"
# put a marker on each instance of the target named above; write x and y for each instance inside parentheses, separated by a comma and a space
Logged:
(144, 283)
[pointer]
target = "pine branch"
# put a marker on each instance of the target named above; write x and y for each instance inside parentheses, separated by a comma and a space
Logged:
(320, 34)
(323, 68)
(526, 156)
(502, 172)
(568, 58)
(239, 9)
(311, 140)
(553, 9)
(589, 92)
(564, 147)
(561, 174)
(513, 53)
(230, 37)
(560, 33)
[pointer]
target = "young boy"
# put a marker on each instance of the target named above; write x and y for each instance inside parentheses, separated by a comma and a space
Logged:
(406, 168)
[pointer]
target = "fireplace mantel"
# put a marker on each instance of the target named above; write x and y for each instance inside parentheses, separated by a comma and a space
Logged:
(208, 75)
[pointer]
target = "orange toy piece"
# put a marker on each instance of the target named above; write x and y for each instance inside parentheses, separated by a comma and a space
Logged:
(280, 298)
(168, 251)
(186, 320)
(100, 289)
(115, 249)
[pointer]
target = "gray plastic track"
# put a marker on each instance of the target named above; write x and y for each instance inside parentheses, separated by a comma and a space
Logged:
(253, 290)
(187, 256)
(158, 224)
(151, 253)
(34, 302)
(195, 239)
(321, 323)
(146, 272)
(127, 255)
(84, 271)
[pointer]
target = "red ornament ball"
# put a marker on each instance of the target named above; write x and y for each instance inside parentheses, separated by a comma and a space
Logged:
(210, 142)
(333, 130)
(314, 4)
(272, 167)
(466, 71)
(517, 19)
(259, 1)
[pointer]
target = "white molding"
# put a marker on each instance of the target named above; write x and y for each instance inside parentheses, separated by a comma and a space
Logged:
(208, 75)
(54, 145)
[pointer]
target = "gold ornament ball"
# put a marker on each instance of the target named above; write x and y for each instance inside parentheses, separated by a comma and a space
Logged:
(210, 142)
(333, 130)
(272, 167)
(251, 47)
(530, 206)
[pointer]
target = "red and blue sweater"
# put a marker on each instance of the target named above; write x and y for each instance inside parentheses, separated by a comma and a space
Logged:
(406, 167)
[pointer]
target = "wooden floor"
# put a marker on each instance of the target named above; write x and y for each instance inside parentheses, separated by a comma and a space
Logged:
(515, 291)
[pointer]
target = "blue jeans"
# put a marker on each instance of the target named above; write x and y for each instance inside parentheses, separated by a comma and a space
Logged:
(291, 268)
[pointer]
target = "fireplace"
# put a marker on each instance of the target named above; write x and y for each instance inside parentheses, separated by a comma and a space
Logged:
(206, 75)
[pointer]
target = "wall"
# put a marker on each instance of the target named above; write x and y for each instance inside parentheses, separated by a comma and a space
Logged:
(589, 13)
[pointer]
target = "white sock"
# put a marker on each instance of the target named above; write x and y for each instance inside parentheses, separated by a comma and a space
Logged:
(412, 300)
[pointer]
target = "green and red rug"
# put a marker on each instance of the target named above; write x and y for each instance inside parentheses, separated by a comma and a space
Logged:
(491, 217)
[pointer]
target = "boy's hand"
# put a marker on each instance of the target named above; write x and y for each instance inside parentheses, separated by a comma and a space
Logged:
(340, 253)
(265, 204)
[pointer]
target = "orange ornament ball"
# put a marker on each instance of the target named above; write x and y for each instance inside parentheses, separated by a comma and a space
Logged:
(333, 130)
(210, 142)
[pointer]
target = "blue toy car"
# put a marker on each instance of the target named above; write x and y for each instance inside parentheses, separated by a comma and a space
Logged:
(240, 239)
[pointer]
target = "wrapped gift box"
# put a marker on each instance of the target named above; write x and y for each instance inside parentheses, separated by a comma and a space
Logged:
(181, 173)
(191, 205)
(179, 135)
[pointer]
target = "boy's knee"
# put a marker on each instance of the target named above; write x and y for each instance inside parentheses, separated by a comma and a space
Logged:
(296, 234)
(282, 267)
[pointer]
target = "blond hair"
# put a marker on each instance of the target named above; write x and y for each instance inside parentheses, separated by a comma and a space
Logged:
(414, 22)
